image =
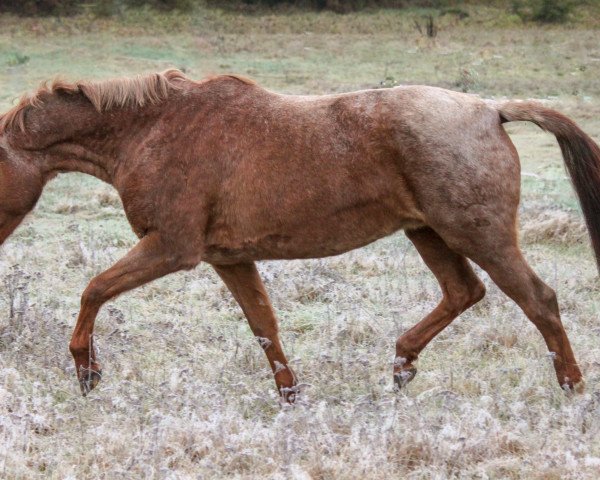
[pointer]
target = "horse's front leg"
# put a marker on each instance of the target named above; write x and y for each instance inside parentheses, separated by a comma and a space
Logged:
(147, 261)
(247, 288)
(8, 224)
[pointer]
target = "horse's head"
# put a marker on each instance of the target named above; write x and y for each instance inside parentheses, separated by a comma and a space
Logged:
(21, 185)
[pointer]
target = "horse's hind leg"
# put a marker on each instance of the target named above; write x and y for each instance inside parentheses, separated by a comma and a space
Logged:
(247, 288)
(147, 261)
(508, 269)
(460, 288)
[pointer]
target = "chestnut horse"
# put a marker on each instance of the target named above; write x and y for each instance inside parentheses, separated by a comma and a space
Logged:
(226, 172)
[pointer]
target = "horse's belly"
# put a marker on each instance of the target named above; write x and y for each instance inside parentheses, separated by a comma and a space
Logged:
(318, 237)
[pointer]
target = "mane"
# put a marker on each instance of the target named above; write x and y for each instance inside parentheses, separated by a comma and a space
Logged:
(104, 95)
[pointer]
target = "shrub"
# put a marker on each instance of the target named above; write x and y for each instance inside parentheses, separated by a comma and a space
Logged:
(339, 6)
(40, 7)
(183, 5)
(553, 11)
(543, 11)
(103, 8)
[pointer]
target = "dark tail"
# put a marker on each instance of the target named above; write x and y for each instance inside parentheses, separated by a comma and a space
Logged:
(580, 153)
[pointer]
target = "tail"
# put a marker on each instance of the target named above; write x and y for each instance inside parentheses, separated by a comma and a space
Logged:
(580, 154)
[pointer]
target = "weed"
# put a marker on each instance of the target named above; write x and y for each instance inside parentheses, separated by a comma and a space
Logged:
(17, 59)
(467, 80)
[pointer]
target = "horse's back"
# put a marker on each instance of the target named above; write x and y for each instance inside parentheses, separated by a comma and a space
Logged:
(311, 176)
(319, 176)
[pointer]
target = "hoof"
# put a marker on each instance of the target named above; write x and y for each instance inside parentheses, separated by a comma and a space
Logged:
(404, 376)
(574, 387)
(286, 382)
(289, 394)
(88, 379)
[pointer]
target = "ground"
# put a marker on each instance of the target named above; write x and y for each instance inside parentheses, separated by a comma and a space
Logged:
(187, 392)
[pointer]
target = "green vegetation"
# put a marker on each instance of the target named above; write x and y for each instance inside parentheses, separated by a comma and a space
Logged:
(544, 11)
(186, 391)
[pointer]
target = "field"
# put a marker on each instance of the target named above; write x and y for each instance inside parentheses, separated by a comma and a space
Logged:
(187, 392)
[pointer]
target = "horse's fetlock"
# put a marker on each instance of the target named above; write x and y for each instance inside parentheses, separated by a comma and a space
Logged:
(74, 349)
(404, 353)
(401, 361)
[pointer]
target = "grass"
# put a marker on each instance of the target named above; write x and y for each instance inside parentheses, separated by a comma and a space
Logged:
(187, 392)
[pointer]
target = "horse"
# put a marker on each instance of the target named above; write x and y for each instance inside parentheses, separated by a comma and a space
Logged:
(226, 172)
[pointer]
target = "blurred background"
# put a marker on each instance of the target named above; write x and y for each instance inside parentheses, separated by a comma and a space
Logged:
(513, 48)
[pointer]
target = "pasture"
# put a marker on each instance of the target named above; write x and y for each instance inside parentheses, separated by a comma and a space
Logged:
(186, 390)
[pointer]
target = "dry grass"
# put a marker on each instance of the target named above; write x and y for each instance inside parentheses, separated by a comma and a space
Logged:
(187, 392)
(564, 228)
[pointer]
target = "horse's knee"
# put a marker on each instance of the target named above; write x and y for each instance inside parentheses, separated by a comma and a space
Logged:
(463, 296)
(93, 295)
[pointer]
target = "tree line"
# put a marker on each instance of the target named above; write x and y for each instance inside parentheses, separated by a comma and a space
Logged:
(555, 11)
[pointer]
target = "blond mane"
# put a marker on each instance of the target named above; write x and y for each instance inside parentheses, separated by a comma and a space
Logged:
(104, 95)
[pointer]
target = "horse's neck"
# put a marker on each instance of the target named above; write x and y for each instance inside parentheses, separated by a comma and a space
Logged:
(77, 157)
(71, 136)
